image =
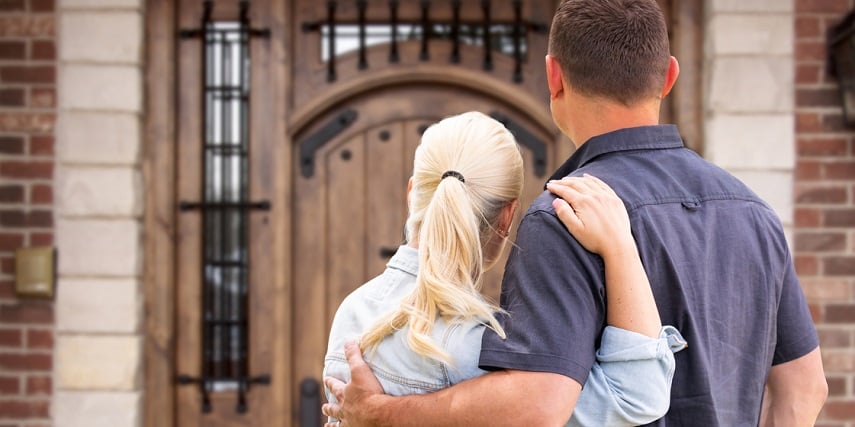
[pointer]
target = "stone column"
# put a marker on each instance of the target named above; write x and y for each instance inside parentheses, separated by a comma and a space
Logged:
(98, 368)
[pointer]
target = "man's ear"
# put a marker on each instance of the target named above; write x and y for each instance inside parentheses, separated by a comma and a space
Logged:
(670, 77)
(554, 77)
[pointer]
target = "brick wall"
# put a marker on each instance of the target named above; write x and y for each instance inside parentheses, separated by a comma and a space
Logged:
(825, 205)
(27, 116)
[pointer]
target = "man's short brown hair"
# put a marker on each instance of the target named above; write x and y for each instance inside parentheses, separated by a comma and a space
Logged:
(617, 49)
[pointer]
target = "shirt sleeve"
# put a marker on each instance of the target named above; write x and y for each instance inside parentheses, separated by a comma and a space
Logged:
(796, 334)
(630, 383)
(554, 297)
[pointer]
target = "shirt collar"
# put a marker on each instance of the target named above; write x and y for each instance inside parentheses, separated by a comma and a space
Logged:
(638, 138)
(405, 259)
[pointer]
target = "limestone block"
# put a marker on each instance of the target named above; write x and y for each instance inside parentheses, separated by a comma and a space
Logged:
(766, 6)
(99, 247)
(97, 409)
(98, 362)
(775, 187)
(100, 4)
(99, 191)
(101, 36)
(751, 85)
(100, 87)
(98, 306)
(751, 141)
(752, 34)
(99, 138)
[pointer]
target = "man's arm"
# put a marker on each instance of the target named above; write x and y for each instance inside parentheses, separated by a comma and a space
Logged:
(795, 392)
(542, 399)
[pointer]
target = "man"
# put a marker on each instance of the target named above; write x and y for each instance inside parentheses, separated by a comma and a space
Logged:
(715, 253)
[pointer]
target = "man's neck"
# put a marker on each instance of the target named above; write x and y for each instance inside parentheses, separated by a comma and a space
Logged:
(595, 118)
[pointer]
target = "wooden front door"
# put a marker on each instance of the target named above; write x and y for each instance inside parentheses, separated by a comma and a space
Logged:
(277, 182)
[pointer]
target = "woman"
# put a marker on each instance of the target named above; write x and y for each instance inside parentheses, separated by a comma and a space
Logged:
(420, 322)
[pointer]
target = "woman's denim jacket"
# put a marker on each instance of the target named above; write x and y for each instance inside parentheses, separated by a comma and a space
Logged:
(629, 383)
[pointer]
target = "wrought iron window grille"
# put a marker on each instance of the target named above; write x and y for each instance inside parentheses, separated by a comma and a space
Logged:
(225, 207)
(340, 36)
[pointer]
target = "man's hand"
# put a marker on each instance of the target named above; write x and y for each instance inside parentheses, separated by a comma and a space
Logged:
(355, 399)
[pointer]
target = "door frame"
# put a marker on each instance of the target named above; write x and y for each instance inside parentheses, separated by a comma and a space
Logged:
(159, 171)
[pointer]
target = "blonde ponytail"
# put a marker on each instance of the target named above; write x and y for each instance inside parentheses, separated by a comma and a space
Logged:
(467, 168)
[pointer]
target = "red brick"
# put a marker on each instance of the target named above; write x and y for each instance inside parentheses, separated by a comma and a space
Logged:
(41, 145)
(22, 218)
(13, 97)
(40, 338)
(817, 195)
(839, 266)
(28, 74)
(811, 51)
(834, 338)
(820, 242)
(39, 385)
(41, 5)
(809, 73)
(807, 170)
(840, 170)
(13, 49)
(822, 6)
(43, 97)
(815, 312)
(833, 122)
(11, 241)
(43, 50)
(7, 290)
(41, 194)
(10, 385)
(807, 122)
(807, 27)
(822, 147)
(818, 97)
(41, 239)
(27, 26)
(840, 313)
(839, 410)
(17, 169)
(11, 5)
(26, 312)
(11, 194)
(26, 362)
(836, 385)
(11, 145)
(7, 265)
(839, 218)
(25, 408)
(806, 265)
(807, 217)
(11, 338)
(27, 122)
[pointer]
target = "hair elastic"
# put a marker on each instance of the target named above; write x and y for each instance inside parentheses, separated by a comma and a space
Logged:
(455, 174)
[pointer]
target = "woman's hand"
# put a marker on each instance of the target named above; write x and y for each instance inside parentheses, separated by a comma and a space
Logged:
(593, 213)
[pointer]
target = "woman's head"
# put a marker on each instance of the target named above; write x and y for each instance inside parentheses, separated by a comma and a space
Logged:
(467, 171)
(467, 178)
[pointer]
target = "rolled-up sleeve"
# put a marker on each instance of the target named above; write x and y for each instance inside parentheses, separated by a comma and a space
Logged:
(630, 383)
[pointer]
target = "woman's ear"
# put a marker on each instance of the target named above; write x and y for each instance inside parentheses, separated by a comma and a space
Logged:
(409, 189)
(506, 217)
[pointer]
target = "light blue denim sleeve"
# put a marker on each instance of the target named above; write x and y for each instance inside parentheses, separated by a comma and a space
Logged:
(630, 382)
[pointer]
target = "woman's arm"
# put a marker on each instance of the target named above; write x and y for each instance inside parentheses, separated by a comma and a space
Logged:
(630, 382)
(597, 218)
